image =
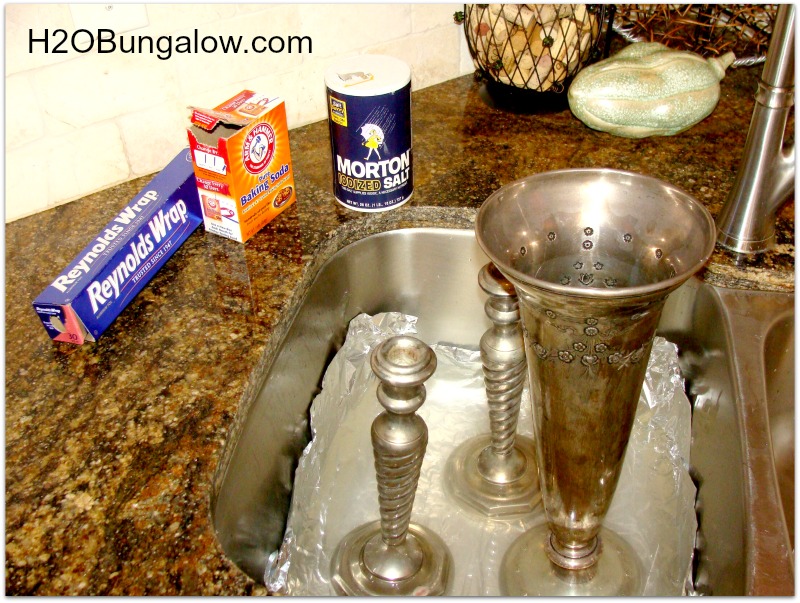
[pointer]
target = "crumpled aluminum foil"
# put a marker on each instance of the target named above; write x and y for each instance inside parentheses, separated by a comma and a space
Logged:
(335, 489)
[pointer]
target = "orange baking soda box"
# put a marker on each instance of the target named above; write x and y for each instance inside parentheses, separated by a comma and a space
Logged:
(242, 163)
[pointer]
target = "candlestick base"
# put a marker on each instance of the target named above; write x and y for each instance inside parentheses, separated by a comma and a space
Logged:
(419, 566)
(504, 488)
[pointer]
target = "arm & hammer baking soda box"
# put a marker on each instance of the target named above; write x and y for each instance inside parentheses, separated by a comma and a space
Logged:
(82, 301)
(242, 163)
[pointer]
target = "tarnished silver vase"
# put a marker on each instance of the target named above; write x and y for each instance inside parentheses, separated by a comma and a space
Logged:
(593, 255)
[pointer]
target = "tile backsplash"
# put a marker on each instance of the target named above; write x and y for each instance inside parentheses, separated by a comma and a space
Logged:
(79, 120)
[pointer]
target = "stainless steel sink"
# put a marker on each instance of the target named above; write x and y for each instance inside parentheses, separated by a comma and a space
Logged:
(736, 355)
(779, 373)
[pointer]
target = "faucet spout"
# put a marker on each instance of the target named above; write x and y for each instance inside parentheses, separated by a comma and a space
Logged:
(765, 179)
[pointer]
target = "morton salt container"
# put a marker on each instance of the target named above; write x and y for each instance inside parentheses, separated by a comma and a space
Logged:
(369, 114)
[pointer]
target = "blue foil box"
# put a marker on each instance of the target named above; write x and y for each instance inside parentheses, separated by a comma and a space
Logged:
(82, 301)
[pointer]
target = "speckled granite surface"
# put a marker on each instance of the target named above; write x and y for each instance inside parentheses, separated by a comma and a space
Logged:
(113, 448)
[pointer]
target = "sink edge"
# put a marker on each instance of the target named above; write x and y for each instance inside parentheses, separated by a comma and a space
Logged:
(770, 559)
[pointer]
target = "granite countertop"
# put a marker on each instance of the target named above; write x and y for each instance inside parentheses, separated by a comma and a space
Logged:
(113, 447)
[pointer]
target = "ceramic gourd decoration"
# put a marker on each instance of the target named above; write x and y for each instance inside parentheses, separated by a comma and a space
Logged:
(647, 89)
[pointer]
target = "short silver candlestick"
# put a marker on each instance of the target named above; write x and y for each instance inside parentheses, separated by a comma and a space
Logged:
(496, 473)
(394, 556)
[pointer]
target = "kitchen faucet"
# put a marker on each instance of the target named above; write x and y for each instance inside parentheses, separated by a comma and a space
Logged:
(765, 179)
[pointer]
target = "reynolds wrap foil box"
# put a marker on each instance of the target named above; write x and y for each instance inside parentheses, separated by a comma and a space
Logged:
(82, 301)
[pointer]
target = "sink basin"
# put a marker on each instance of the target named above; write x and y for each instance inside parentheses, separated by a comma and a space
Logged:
(738, 361)
(779, 373)
(743, 542)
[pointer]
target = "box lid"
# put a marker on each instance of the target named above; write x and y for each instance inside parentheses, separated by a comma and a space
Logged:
(236, 112)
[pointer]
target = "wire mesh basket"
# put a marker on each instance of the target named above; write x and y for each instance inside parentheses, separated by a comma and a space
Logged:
(707, 29)
(534, 47)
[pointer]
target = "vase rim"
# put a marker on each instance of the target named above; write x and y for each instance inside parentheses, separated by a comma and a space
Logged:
(662, 286)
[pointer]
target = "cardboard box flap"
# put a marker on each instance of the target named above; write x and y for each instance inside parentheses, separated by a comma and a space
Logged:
(237, 111)
(208, 119)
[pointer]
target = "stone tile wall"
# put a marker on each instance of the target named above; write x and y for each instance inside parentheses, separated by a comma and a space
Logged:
(78, 122)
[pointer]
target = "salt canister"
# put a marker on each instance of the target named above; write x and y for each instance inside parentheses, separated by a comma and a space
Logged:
(369, 115)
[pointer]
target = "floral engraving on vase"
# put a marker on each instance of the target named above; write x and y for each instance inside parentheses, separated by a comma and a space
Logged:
(585, 344)
(589, 360)
(623, 360)
(588, 278)
(565, 356)
(540, 350)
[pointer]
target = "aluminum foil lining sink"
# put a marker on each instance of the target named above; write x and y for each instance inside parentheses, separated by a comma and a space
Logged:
(736, 354)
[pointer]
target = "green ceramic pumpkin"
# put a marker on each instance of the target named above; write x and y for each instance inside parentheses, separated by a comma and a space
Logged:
(647, 89)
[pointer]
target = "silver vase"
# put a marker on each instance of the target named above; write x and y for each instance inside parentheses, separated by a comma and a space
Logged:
(593, 255)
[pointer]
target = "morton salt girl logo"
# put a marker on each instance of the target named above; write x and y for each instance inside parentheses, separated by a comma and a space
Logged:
(258, 148)
(373, 139)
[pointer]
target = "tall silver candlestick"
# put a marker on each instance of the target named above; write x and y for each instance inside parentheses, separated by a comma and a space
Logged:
(495, 473)
(394, 556)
